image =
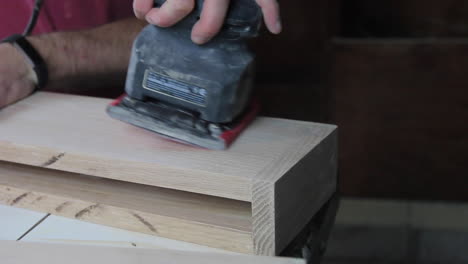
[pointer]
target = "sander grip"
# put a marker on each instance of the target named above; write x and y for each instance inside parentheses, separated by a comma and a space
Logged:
(242, 16)
(196, 12)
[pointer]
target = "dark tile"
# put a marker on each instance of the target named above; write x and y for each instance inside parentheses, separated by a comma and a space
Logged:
(359, 261)
(443, 246)
(376, 243)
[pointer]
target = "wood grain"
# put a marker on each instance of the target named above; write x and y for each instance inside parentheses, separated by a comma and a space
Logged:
(205, 220)
(20, 253)
(282, 209)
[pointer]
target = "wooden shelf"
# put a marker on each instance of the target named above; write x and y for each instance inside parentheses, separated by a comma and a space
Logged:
(254, 197)
(173, 214)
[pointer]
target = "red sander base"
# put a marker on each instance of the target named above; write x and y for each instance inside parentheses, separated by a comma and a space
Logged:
(147, 116)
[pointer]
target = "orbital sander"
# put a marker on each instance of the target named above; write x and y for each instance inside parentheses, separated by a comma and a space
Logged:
(196, 94)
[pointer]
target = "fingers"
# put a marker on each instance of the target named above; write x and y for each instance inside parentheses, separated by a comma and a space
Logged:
(271, 14)
(142, 7)
(171, 12)
(211, 20)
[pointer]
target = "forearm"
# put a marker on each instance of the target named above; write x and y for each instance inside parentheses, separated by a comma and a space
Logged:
(89, 58)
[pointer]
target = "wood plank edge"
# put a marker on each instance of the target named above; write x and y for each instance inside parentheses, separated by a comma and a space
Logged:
(132, 220)
(264, 193)
(263, 223)
(232, 187)
(301, 192)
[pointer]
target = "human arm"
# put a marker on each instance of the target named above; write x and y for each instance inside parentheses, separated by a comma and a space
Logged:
(75, 60)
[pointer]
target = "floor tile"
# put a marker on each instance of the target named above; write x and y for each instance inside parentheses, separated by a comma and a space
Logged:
(14, 222)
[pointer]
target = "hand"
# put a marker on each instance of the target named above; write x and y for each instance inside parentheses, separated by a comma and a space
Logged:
(211, 18)
(17, 78)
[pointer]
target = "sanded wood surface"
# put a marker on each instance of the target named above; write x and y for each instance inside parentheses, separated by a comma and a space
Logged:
(201, 219)
(274, 160)
(20, 253)
(75, 134)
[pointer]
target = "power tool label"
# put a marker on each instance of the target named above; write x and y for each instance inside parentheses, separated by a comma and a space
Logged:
(173, 88)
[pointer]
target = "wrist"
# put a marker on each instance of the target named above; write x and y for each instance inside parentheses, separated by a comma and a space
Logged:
(31, 74)
(35, 68)
(28, 69)
(56, 60)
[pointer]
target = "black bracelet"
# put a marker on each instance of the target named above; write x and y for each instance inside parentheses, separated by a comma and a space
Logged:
(39, 65)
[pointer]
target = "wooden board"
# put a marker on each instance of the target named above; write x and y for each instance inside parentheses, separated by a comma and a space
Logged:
(15, 222)
(273, 161)
(57, 229)
(20, 253)
(201, 219)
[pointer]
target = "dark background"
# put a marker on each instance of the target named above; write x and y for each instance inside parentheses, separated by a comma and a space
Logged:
(393, 74)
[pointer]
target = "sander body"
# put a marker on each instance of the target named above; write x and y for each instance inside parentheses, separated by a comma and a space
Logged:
(197, 94)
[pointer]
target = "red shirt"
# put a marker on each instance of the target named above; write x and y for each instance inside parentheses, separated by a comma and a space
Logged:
(61, 15)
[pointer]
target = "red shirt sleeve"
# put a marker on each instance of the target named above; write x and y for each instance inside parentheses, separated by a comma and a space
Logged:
(69, 15)
(62, 15)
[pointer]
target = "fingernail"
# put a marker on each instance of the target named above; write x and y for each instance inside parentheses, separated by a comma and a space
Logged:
(278, 26)
(200, 39)
(152, 20)
(138, 14)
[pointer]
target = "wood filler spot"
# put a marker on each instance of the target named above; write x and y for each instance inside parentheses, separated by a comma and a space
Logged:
(87, 210)
(61, 206)
(146, 223)
(19, 198)
(53, 160)
(38, 199)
